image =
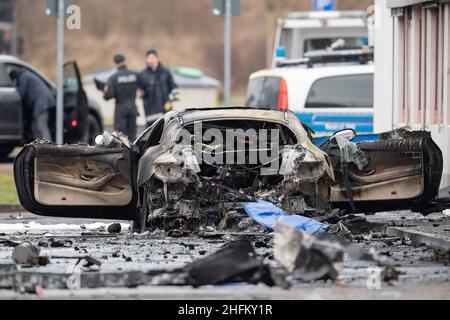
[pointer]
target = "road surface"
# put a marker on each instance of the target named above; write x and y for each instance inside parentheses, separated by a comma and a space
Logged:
(423, 271)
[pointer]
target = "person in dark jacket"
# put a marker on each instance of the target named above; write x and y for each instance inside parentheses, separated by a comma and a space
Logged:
(158, 87)
(37, 100)
(123, 87)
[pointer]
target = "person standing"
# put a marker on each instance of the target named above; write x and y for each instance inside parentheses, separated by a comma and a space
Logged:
(123, 87)
(158, 87)
(37, 100)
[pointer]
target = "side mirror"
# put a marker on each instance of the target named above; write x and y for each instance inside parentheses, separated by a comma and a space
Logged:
(348, 134)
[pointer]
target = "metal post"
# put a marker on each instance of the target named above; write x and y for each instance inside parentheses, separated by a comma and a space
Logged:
(15, 33)
(60, 73)
(227, 53)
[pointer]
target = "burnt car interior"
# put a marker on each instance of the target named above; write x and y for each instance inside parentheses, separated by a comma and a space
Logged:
(244, 173)
(177, 191)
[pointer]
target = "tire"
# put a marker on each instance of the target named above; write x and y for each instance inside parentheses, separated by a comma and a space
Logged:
(93, 128)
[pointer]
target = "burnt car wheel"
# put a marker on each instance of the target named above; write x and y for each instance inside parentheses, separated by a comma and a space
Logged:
(139, 222)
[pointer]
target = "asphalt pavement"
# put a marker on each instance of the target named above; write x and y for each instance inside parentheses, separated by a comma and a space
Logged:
(422, 272)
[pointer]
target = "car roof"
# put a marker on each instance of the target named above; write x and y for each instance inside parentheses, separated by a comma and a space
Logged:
(8, 58)
(15, 60)
(191, 115)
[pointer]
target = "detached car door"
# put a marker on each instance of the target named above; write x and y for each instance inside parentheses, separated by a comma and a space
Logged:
(11, 119)
(403, 170)
(77, 181)
(76, 107)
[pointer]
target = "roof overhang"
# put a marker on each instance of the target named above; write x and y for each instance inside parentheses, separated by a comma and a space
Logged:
(394, 4)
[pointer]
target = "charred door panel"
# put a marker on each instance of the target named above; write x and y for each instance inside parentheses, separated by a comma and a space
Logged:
(404, 171)
(76, 181)
(79, 182)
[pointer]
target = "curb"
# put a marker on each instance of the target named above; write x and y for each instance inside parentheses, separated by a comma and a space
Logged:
(434, 241)
(11, 208)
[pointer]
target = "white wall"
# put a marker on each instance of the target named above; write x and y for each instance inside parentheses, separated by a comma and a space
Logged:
(390, 95)
(383, 112)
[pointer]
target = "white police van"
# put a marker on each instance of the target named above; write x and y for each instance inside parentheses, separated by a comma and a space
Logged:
(328, 91)
(305, 31)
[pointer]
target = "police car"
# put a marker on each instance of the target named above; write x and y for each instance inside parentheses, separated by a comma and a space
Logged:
(327, 90)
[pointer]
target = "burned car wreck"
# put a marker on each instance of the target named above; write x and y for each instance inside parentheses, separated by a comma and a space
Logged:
(195, 169)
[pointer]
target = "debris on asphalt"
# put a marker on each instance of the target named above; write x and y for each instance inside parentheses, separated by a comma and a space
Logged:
(33, 290)
(127, 259)
(441, 256)
(358, 224)
(349, 226)
(61, 244)
(8, 242)
(233, 264)
(101, 229)
(114, 228)
(89, 260)
(390, 274)
(97, 235)
(43, 244)
(305, 255)
(419, 237)
(313, 257)
(27, 254)
(256, 259)
(340, 230)
(329, 217)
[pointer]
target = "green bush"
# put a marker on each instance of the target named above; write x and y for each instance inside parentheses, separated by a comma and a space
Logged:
(8, 193)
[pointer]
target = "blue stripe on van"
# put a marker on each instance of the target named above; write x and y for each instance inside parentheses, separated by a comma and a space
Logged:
(343, 118)
(326, 123)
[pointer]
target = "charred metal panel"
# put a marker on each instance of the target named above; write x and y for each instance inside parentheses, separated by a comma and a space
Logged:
(25, 174)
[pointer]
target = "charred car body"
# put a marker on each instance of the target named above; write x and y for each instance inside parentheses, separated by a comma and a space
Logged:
(199, 166)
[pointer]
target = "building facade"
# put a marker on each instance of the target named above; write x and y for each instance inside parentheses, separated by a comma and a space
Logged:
(412, 63)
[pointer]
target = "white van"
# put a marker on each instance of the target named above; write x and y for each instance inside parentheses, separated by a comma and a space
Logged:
(301, 32)
(327, 97)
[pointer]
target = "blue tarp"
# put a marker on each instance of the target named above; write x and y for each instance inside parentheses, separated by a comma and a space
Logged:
(268, 215)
